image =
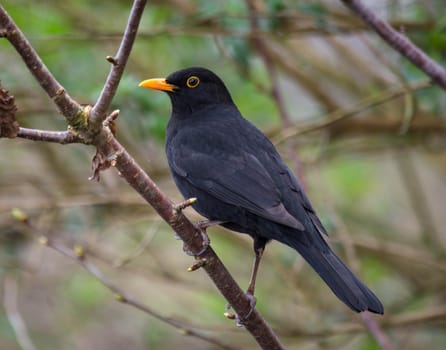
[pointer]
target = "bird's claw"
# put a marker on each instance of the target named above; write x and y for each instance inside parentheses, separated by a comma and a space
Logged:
(234, 316)
(205, 224)
(202, 226)
(205, 244)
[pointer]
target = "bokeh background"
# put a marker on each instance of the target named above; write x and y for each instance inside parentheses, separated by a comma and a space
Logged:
(357, 123)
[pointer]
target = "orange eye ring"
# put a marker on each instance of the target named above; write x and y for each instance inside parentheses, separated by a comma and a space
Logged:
(193, 81)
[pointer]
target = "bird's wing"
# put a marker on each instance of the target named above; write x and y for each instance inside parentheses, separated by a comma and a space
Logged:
(239, 180)
(292, 184)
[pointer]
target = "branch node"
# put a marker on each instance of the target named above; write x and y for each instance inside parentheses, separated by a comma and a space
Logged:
(109, 122)
(60, 91)
(229, 315)
(112, 60)
(121, 298)
(183, 205)
(184, 331)
(79, 251)
(43, 240)
(9, 127)
(199, 264)
(19, 215)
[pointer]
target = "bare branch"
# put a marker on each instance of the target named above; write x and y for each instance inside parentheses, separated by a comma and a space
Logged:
(118, 64)
(62, 137)
(67, 106)
(342, 114)
(399, 42)
(192, 238)
(80, 255)
(376, 331)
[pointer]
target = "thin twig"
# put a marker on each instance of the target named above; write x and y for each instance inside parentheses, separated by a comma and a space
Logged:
(420, 318)
(62, 137)
(344, 113)
(98, 113)
(376, 331)
(71, 109)
(417, 197)
(80, 256)
(399, 42)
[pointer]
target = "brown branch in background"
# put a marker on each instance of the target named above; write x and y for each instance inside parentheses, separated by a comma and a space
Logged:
(67, 106)
(399, 42)
(259, 44)
(376, 331)
(417, 197)
(342, 114)
(118, 62)
(406, 319)
(286, 60)
(80, 256)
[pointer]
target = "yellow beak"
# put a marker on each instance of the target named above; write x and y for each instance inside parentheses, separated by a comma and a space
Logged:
(158, 84)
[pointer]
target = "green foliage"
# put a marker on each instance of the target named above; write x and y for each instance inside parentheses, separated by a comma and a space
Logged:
(85, 293)
(155, 335)
(351, 177)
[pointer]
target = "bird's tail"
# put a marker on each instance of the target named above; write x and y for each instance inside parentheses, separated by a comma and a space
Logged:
(341, 280)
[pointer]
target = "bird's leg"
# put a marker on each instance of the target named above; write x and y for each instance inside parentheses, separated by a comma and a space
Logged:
(259, 248)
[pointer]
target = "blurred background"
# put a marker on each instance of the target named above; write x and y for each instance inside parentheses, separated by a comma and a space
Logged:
(359, 125)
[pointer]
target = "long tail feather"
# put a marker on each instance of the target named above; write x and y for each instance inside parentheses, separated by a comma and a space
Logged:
(341, 280)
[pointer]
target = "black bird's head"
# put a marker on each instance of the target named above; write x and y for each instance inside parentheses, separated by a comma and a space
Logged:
(191, 89)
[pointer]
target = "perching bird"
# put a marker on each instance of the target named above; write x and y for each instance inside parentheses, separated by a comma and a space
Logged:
(240, 180)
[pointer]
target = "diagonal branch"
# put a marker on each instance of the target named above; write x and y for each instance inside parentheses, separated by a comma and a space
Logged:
(193, 239)
(118, 64)
(399, 42)
(71, 109)
(342, 114)
(80, 255)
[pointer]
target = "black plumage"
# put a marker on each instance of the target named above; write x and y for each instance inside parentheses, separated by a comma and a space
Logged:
(239, 178)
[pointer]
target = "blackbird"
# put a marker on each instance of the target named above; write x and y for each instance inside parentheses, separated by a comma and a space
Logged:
(241, 182)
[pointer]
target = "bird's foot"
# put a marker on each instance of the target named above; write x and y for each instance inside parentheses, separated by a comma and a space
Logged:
(202, 226)
(234, 316)
(205, 244)
(205, 224)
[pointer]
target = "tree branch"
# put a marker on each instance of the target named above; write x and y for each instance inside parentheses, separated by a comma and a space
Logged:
(71, 110)
(62, 137)
(193, 240)
(119, 61)
(342, 114)
(80, 256)
(399, 42)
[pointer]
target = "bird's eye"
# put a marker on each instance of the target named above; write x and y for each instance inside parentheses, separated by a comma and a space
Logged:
(192, 82)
